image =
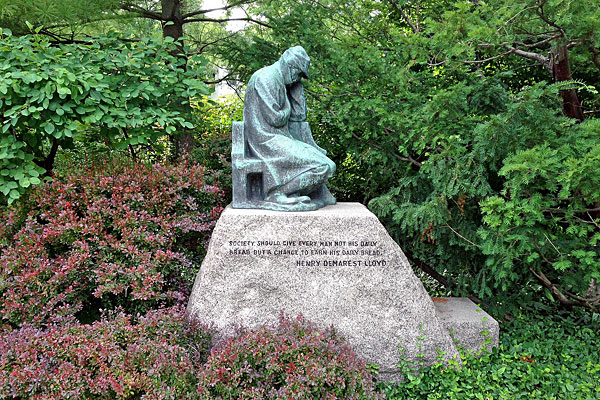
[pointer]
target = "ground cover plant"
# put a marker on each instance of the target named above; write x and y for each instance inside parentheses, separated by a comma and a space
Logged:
(539, 357)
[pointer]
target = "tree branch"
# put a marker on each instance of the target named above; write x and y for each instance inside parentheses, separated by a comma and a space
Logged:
(224, 8)
(435, 275)
(225, 20)
(543, 41)
(488, 59)
(404, 16)
(461, 236)
(540, 13)
(590, 303)
(48, 162)
(515, 16)
(131, 149)
(202, 46)
(225, 78)
(545, 61)
(595, 54)
(142, 12)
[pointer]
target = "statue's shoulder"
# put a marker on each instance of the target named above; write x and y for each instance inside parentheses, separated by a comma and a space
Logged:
(266, 76)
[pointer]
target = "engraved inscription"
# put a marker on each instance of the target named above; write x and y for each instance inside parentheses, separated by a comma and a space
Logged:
(314, 253)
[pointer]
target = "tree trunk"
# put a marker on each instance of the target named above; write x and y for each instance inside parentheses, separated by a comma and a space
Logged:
(562, 72)
(48, 162)
(172, 26)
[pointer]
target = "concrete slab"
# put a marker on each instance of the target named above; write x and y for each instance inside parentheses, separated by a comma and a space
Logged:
(469, 325)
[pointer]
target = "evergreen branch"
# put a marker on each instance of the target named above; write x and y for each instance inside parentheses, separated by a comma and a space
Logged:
(515, 16)
(488, 59)
(592, 219)
(349, 24)
(540, 13)
(543, 41)
(408, 158)
(552, 244)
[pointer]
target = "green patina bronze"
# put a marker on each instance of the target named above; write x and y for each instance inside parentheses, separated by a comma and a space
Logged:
(276, 163)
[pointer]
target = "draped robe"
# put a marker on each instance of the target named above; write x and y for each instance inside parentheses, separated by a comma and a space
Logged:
(276, 131)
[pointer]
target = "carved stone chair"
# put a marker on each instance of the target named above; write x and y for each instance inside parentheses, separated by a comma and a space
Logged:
(247, 171)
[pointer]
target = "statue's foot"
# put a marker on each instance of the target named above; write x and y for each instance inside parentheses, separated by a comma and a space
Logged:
(301, 199)
(311, 206)
(283, 199)
(323, 195)
(327, 197)
(319, 203)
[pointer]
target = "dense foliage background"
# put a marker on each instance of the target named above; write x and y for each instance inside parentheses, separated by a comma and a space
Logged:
(461, 128)
(470, 129)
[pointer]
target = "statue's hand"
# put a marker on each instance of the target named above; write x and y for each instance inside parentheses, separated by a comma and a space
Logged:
(298, 102)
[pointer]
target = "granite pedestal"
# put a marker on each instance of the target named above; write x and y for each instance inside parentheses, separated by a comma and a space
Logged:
(336, 266)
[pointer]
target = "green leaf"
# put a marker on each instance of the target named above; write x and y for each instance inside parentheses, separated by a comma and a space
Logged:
(187, 124)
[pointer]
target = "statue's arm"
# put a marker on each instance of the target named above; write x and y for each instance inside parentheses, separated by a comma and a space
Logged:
(274, 113)
(299, 128)
(297, 102)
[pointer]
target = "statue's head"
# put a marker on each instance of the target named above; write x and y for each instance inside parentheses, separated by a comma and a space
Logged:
(295, 63)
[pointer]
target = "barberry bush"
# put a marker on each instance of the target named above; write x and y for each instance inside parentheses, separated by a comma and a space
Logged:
(157, 357)
(107, 235)
(294, 360)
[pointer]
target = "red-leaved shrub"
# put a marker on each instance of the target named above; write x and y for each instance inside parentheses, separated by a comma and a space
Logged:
(114, 234)
(156, 358)
(292, 361)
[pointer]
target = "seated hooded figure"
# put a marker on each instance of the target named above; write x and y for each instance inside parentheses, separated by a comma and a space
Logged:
(296, 168)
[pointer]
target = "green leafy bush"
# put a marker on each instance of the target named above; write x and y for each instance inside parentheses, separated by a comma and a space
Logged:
(129, 92)
(213, 138)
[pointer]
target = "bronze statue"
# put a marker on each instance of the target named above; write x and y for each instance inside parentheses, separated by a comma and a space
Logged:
(276, 163)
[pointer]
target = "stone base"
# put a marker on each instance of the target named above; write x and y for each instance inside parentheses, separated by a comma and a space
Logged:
(336, 266)
(470, 326)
